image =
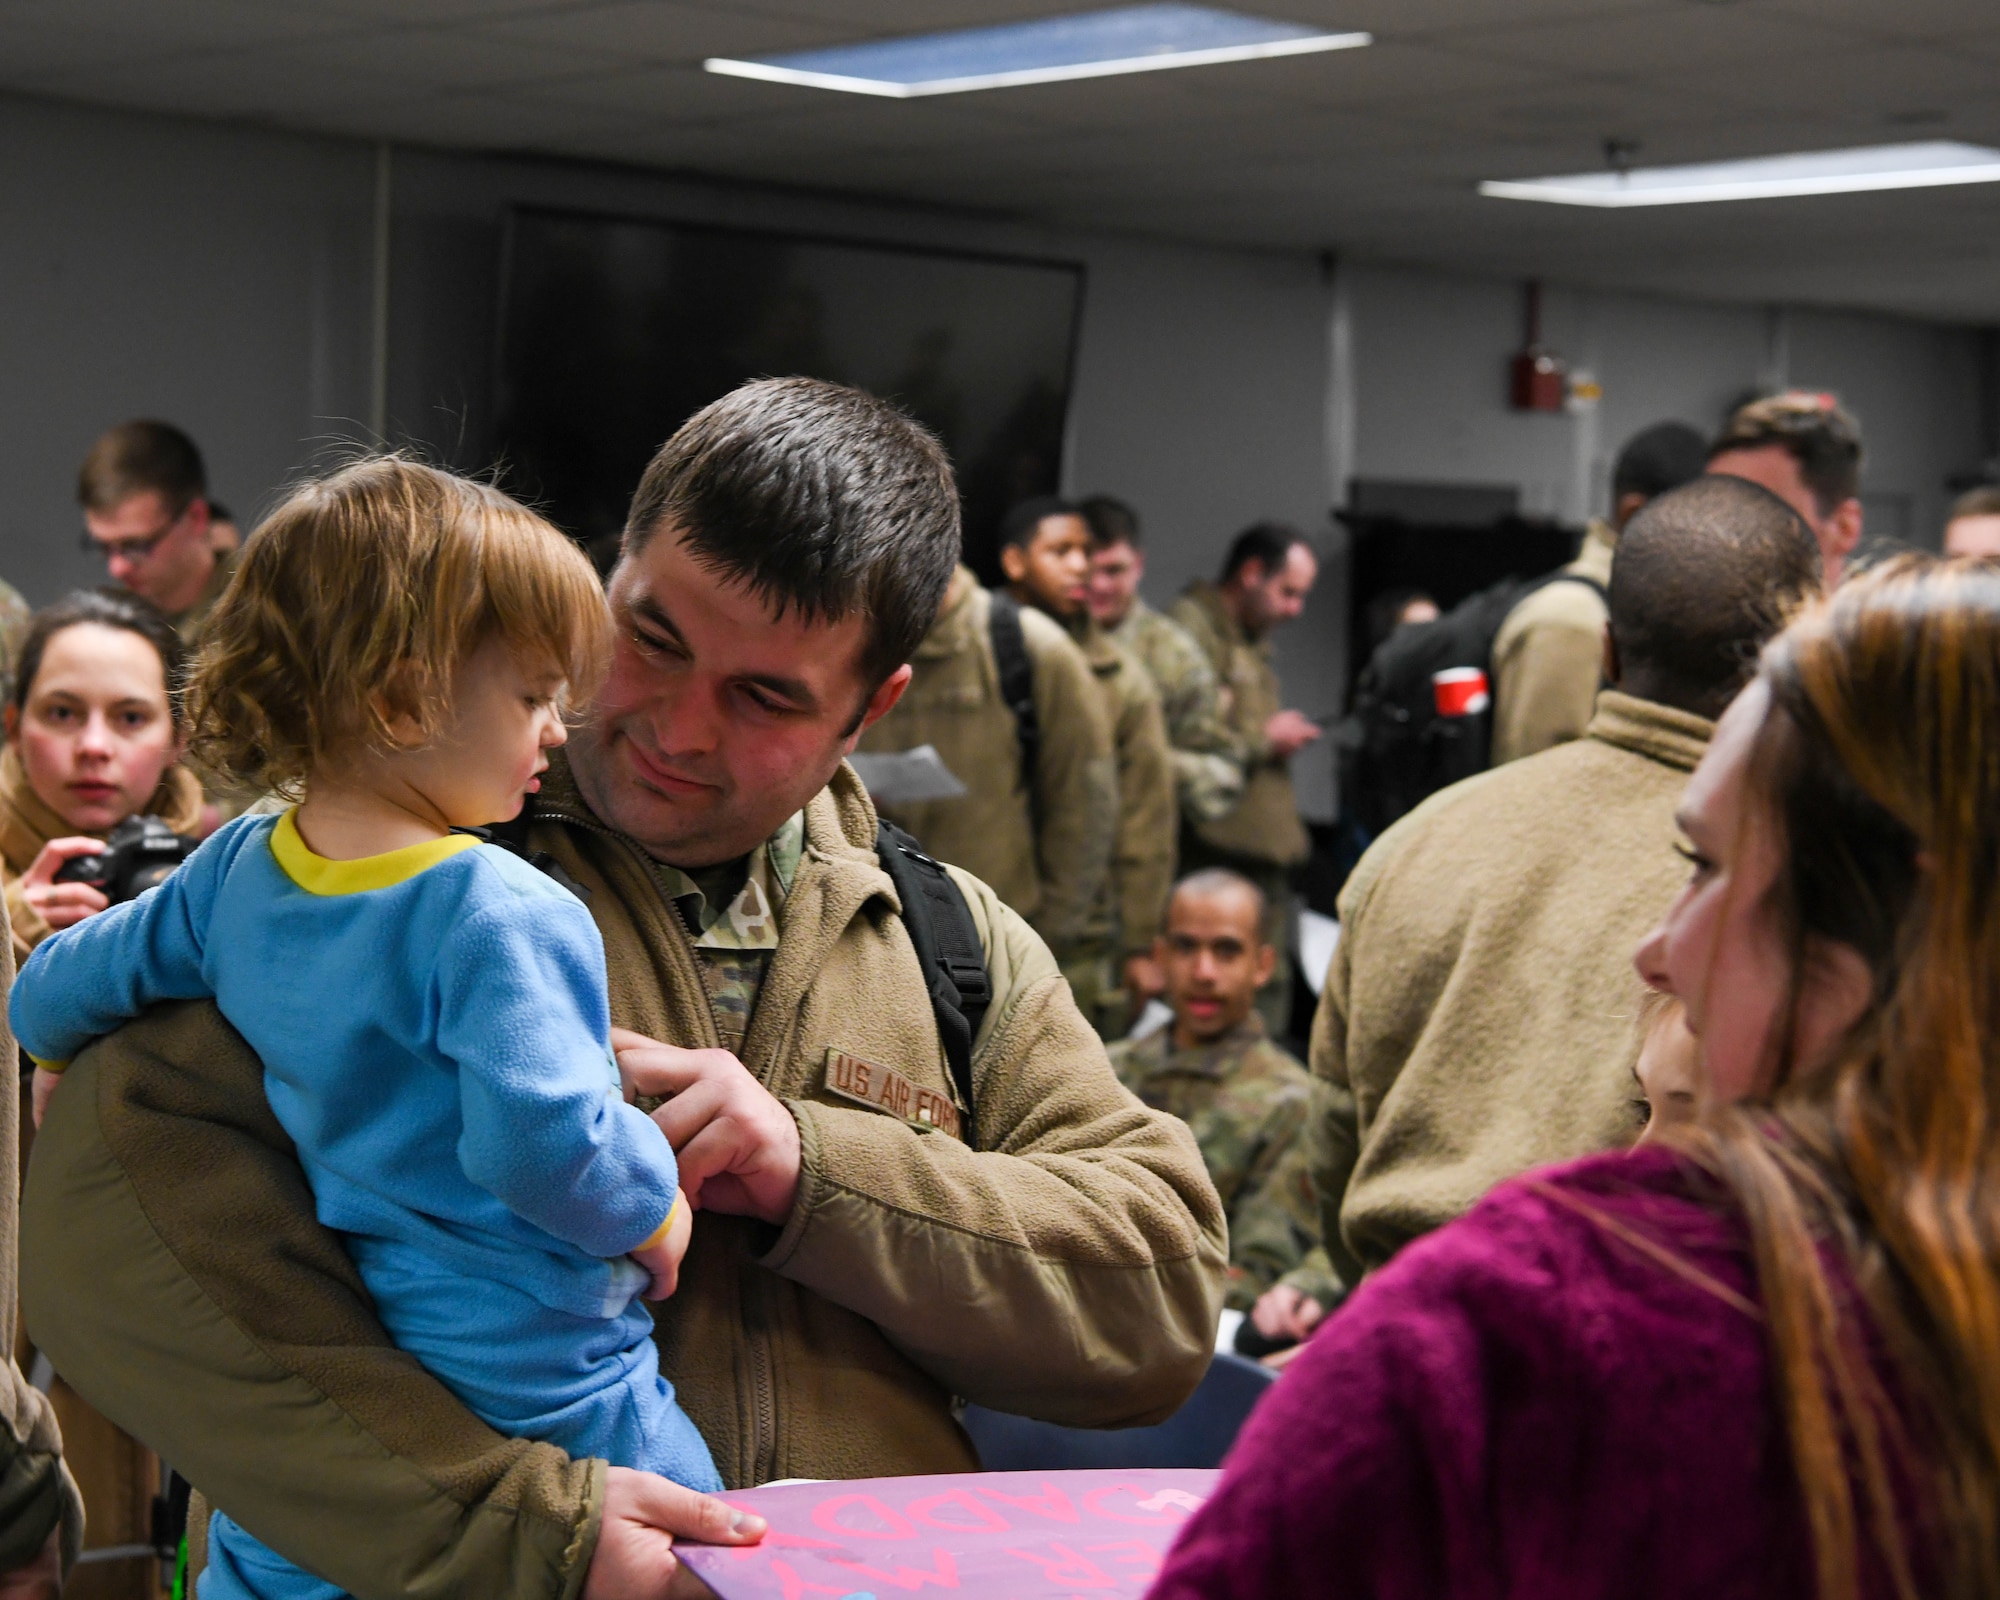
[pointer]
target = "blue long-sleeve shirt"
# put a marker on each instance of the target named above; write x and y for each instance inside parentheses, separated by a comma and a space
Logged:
(435, 1035)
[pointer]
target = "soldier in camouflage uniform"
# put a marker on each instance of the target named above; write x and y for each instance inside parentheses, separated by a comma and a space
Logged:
(1266, 576)
(1244, 1098)
(1207, 755)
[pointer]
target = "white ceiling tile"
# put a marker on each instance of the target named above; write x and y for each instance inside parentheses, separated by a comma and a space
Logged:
(1371, 151)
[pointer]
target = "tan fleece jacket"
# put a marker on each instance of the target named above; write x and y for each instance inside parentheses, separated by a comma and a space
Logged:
(1044, 846)
(1478, 1018)
(1548, 657)
(1067, 1265)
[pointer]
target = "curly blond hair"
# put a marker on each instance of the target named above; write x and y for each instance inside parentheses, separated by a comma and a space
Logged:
(354, 604)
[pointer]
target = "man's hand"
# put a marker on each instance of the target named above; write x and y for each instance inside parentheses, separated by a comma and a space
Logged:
(738, 1145)
(1288, 732)
(643, 1515)
(41, 1578)
(61, 904)
(1282, 1312)
(1143, 979)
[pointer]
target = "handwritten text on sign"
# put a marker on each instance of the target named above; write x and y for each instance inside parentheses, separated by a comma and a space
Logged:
(981, 1536)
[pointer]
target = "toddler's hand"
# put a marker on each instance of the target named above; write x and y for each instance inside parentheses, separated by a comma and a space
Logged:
(663, 1260)
(45, 1086)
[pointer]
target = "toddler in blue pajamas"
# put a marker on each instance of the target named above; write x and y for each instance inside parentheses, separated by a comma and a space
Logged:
(430, 1009)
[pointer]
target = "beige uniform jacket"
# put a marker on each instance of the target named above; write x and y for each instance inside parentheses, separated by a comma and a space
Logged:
(1478, 1018)
(1142, 857)
(1264, 825)
(1548, 657)
(1044, 847)
(1067, 1265)
(36, 1493)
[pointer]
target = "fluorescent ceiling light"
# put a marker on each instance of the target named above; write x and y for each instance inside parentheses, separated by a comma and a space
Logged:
(1093, 44)
(1883, 166)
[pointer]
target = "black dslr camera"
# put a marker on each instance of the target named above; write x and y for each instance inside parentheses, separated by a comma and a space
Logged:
(140, 852)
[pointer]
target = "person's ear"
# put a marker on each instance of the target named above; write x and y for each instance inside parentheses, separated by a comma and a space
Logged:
(1836, 990)
(1628, 506)
(1014, 562)
(12, 719)
(1845, 524)
(1267, 963)
(198, 513)
(1612, 667)
(881, 702)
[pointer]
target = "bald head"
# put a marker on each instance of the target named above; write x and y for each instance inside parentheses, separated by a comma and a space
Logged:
(1705, 575)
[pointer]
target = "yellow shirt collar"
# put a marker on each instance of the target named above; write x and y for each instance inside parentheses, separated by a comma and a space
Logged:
(321, 875)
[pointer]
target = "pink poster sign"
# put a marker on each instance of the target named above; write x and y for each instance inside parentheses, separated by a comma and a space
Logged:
(976, 1535)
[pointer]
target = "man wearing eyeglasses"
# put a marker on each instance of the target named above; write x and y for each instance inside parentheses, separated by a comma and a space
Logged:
(146, 511)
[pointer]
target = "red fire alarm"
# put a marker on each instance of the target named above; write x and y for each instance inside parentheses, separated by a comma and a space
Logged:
(1538, 377)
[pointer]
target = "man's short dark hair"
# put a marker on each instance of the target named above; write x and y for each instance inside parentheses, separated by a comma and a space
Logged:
(1266, 543)
(1705, 575)
(138, 456)
(1112, 522)
(814, 496)
(1017, 528)
(1813, 430)
(1981, 502)
(1660, 458)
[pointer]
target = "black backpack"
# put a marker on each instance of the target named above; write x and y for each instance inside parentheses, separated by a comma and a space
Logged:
(1397, 747)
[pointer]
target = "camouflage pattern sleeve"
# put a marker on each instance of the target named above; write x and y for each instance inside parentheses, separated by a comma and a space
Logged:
(1315, 1278)
(1207, 755)
(1273, 1224)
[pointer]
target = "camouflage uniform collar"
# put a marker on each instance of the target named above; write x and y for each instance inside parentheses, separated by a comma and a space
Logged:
(1218, 1057)
(750, 920)
(1135, 619)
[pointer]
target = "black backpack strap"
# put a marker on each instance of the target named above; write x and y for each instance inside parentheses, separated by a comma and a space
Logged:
(941, 928)
(513, 838)
(1017, 681)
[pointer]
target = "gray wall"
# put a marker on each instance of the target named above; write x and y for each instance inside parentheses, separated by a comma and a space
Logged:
(221, 276)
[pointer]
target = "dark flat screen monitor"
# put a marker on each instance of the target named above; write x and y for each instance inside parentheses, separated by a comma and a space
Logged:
(613, 331)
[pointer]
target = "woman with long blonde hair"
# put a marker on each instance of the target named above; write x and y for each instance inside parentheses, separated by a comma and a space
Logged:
(1761, 1357)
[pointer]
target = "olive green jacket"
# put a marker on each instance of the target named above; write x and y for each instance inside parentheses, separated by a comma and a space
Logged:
(1264, 825)
(1142, 857)
(36, 1492)
(1548, 657)
(1479, 1015)
(1044, 845)
(1066, 1265)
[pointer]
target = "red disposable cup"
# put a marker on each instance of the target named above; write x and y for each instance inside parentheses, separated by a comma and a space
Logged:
(1460, 691)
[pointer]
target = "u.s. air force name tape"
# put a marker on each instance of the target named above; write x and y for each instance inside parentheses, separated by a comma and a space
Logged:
(886, 1089)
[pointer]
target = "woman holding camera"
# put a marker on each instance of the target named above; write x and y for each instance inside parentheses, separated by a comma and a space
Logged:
(93, 738)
